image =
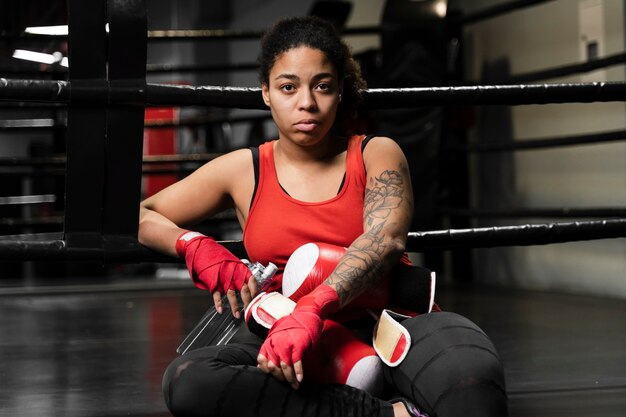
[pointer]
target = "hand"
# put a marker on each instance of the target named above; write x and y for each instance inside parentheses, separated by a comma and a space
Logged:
(288, 339)
(249, 290)
(292, 374)
(293, 335)
(214, 268)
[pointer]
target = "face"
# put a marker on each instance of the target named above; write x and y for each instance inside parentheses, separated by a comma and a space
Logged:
(303, 94)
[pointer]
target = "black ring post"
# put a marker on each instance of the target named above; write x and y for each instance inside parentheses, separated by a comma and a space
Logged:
(86, 126)
(124, 143)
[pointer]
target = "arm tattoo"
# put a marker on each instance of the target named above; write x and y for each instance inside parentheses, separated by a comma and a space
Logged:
(364, 262)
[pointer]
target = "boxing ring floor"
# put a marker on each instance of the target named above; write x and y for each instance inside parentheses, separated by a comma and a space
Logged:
(99, 350)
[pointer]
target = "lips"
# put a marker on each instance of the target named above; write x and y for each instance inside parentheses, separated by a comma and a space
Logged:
(306, 125)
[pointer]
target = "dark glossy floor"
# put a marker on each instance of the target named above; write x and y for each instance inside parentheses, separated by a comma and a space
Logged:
(99, 350)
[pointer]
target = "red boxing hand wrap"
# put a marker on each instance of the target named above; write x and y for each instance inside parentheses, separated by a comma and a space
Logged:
(211, 266)
(293, 335)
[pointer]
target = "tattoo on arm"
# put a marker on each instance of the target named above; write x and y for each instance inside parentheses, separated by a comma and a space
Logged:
(364, 262)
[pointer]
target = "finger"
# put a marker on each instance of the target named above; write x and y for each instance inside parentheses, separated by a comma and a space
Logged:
(253, 287)
(276, 371)
(234, 304)
(268, 352)
(245, 295)
(290, 375)
(249, 291)
(262, 363)
(299, 371)
(217, 301)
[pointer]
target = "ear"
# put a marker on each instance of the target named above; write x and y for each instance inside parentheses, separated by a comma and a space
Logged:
(265, 91)
(340, 90)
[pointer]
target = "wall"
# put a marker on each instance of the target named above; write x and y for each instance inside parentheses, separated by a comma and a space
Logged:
(535, 38)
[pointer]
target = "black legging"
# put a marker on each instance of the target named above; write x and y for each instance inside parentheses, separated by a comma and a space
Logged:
(452, 369)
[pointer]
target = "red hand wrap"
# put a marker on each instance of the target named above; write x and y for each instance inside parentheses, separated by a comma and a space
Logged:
(211, 266)
(298, 332)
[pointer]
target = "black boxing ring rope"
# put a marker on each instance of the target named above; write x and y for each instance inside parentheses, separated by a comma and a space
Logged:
(565, 70)
(137, 94)
(562, 212)
(52, 247)
(542, 143)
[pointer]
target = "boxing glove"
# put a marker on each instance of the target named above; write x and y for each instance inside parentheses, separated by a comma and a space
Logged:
(310, 264)
(265, 310)
(339, 357)
(211, 266)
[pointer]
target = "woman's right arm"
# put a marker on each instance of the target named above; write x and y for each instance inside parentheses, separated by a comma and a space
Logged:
(164, 216)
(157, 231)
(217, 185)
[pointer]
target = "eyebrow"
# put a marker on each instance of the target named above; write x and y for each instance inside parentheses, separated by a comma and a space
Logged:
(294, 77)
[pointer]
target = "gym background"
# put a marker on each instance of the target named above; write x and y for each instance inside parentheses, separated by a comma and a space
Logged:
(89, 321)
(409, 44)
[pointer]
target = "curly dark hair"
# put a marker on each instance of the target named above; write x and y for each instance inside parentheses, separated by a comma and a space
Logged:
(319, 34)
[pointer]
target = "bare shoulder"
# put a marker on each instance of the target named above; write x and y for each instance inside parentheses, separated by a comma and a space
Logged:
(382, 150)
(217, 185)
(228, 167)
(233, 160)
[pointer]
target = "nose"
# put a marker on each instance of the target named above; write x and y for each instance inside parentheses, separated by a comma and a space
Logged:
(307, 100)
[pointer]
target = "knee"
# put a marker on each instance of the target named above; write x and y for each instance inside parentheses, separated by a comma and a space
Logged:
(173, 384)
(452, 368)
(186, 387)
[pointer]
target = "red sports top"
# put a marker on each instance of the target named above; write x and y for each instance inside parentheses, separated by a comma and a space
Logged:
(278, 224)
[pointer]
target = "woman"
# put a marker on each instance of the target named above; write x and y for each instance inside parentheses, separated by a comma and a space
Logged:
(312, 185)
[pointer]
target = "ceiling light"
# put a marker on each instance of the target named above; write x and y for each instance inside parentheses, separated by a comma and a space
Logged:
(53, 30)
(49, 59)
(33, 56)
(47, 30)
(441, 7)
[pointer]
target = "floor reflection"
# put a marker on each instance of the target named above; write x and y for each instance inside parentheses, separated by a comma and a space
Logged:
(103, 354)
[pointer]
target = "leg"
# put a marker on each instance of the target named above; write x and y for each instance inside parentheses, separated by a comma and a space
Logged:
(224, 381)
(452, 368)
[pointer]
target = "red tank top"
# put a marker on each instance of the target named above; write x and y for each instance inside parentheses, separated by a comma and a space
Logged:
(278, 224)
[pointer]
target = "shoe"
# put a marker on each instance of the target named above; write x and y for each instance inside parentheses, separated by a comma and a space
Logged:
(411, 408)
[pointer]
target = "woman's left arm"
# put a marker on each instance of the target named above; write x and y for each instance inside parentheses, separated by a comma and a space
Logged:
(387, 214)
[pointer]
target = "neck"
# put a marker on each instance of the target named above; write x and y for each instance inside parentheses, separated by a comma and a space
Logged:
(324, 150)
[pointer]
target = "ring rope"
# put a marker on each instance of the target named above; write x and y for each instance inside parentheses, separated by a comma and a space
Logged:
(565, 70)
(138, 93)
(565, 212)
(51, 247)
(542, 143)
(524, 235)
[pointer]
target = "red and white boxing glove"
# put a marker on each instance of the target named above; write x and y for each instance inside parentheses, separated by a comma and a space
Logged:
(310, 265)
(211, 266)
(291, 336)
(265, 310)
(341, 357)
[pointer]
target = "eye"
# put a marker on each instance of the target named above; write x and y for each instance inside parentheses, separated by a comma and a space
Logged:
(324, 87)
(287, 88)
